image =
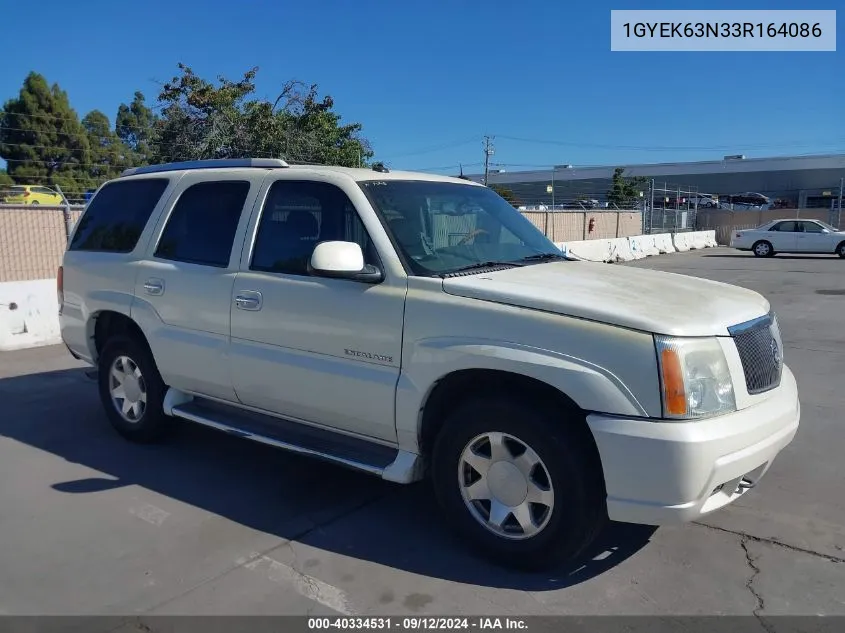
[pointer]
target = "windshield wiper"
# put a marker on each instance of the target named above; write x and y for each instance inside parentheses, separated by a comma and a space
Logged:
(542, 257)
(479, 265)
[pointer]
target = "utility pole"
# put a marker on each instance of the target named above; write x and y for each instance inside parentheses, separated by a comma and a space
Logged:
(488, 152)
(839, 204)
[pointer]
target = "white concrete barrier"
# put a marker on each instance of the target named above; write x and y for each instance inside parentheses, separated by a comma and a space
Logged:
(681, 242)
(620, 250)
(29, 314)
(698, 240)
(623, 249)
(586, 250)
(643, 246)
(663, 243)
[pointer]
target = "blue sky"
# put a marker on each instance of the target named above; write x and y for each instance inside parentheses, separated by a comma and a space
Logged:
(429, 79)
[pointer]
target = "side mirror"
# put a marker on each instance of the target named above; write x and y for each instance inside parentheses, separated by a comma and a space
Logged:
(343, 260)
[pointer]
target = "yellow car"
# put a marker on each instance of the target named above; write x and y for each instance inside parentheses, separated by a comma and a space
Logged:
(33, 194)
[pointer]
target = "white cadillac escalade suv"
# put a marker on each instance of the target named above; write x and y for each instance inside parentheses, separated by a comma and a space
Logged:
(416, 326)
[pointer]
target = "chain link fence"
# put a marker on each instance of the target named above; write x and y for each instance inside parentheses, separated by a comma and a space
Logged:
(33, 239)
(673, 208)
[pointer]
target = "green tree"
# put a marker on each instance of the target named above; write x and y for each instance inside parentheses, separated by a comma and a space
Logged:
(5, 179)
(624, 191)
(202, 120)
(109, 155)
(506, 193)
(135, 126)
(42, 140)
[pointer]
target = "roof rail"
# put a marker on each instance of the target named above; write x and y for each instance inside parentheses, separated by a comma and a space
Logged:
(261, 163)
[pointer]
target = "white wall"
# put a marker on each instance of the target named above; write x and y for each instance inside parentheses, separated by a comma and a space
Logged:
(35, 321)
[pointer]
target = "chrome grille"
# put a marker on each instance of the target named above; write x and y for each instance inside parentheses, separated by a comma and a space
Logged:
(761, 352)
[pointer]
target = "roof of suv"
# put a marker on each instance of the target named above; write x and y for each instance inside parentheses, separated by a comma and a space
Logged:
(228, 165)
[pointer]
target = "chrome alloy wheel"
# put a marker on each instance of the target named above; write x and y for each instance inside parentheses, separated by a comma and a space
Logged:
(762, 249)
(128, 389)
(505, 485)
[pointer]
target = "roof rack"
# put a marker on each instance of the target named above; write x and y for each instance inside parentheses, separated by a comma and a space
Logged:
(261, 163)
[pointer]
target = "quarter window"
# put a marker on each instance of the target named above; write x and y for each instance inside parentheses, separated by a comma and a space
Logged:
(114, 221)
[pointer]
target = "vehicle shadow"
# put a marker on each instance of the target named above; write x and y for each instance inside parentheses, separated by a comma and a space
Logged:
(266, 489)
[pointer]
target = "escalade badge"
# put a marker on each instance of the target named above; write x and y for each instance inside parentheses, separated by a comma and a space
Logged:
(369, 355)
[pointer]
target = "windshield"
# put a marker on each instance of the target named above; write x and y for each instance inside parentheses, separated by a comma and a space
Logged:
(443, 227)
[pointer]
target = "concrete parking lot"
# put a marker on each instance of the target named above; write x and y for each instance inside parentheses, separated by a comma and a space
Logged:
(90, 524)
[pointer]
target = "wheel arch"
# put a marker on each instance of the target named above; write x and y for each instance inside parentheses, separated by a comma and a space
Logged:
(109, 323)
(461, 385)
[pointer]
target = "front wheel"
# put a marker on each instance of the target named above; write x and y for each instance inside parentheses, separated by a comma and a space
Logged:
(840, 250)
(521, 485)
(762, 249)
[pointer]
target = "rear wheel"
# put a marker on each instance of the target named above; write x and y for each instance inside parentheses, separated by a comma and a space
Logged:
(522, 485)
(132, 391)
(763, 249)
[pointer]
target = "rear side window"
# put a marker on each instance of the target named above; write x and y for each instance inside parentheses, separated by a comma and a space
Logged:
(117, 216)
(201, 229)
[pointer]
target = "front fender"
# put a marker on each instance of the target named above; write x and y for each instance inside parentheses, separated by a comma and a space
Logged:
(590, 386)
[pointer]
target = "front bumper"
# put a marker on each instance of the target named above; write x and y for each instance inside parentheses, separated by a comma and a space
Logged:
(666, 472)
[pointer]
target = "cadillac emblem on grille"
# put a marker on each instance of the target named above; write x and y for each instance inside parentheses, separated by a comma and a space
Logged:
(775, 352)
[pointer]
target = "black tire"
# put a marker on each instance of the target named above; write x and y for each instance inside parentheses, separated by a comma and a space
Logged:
(151, 425)
(768, 253)
(579, 510)
(840, 250)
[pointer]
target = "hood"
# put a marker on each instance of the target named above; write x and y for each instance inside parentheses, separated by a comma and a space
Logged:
(638, 298)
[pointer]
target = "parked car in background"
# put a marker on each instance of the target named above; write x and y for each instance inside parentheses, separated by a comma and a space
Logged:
(791, 236)
(704, 201)
(32, 195)
(747, 200)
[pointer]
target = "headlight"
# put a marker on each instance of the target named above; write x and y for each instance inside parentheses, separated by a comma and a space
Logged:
(694, 378)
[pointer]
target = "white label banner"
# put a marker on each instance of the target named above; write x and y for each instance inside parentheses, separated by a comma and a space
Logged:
(723, 30)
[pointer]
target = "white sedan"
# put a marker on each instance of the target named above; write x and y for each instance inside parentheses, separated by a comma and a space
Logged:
(790, 236)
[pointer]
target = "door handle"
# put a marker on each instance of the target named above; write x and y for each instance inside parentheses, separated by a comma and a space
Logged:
(248, 301)
(154, 287)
